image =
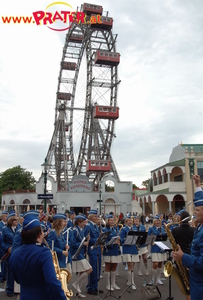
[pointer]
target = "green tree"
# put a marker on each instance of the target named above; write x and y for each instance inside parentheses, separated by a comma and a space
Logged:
(16, 178)
(134, 186)
(145, 183)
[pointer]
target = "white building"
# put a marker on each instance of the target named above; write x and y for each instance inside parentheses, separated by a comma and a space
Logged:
(80, 197)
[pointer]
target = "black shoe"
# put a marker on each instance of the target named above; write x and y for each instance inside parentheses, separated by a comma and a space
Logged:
(10, 295)
(92, 292)
(100, 291)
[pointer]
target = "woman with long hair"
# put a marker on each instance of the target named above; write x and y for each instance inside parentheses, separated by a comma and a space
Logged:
(142, 249)
(8, 233)
(80, 264)
(158, 256)
(56, 239)
(130, 253)
(111, 254)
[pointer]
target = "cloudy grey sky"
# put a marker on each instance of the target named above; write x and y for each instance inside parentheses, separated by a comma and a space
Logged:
(160, 95)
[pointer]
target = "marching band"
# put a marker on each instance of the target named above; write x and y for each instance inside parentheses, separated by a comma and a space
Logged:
(73, 240)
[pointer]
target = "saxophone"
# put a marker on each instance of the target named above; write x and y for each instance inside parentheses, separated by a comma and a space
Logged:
(62, 274)
(180, 273)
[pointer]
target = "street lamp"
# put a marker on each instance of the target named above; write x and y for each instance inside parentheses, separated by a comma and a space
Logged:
(191, 166)
(100, 200)
(45, 167)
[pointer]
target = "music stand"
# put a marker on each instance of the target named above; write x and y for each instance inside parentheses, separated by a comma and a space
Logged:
(165, 248)
(111, 242)
(100, 241)
(131, 239)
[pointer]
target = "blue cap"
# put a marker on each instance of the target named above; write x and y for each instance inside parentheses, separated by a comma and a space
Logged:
(31, 213)
(12, 213)
(43, 226)
(198, 200)
(81, 216)
(30, 222)
(5, 212)
(108, 216)
(72, 212)
(22, 215)
(179, 213)
(157, 217)
(59, 216)
(93, 212)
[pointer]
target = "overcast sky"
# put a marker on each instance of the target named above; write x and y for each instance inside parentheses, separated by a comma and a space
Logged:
(160, 95)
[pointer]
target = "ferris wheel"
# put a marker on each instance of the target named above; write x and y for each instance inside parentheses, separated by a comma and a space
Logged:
(86, 102)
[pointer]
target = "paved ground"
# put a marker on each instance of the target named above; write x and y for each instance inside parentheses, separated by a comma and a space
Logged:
(121, 282)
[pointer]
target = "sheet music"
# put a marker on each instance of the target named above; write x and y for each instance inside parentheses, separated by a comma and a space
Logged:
(112, 240)
(79, 248)
(130, 240)
(162, 246)
(150, 239)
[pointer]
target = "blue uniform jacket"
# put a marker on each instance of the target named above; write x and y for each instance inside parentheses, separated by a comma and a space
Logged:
(156, 231)
(112, 250)
(17, 241)
(93, 231)
(33, 269)
(78, 235)
(70, 224)
(195, 263)
(8, 236)
(127, 249)
(59, 246)
(47, 226)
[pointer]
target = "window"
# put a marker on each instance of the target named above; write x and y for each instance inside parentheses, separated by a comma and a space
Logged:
(178, 178)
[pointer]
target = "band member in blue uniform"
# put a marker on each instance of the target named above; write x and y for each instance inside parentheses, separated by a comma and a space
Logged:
(17, 241)
(46, 223)
(80, 265)
(142, 252)
(194, 261)
(32, 265)
(3, 263)
(158, 256)
(94, 254)
(130, 253)
(67, 234)
(71, 219)
(8, 233)
(111, 254)
(56, 239)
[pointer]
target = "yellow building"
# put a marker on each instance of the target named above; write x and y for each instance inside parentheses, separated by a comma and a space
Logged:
(171, 187)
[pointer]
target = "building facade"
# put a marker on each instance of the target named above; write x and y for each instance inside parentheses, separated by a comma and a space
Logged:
(112, 196)
(171, 186)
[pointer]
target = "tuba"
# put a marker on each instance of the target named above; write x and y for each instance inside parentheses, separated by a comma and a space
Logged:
(62, 274)
(180, 273)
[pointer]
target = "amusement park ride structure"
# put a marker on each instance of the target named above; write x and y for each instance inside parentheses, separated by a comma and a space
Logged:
(86, 102)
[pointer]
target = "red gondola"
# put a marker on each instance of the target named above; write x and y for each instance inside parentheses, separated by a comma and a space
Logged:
(106, 23)
(92, 9)
(107, 58)
(77, 38)
(106, 112)
(98, 166)
(65, 65)
(63, 96)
